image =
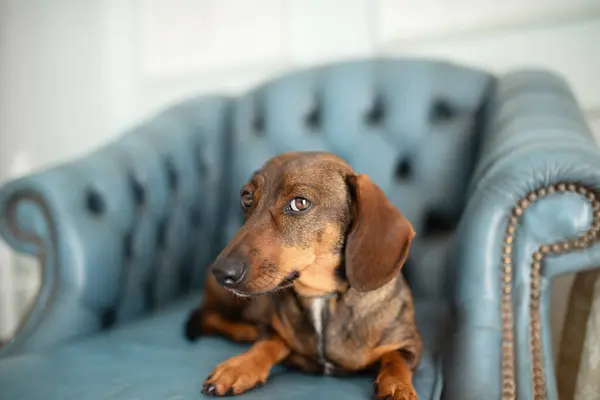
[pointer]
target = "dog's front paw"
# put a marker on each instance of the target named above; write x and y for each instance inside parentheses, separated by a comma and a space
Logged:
(390, 388)
(193, 326)
(233, 377)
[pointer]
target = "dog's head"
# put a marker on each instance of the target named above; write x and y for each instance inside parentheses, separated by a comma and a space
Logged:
(311, 221)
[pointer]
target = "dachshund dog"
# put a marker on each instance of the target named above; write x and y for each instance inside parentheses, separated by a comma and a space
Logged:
(331, 245)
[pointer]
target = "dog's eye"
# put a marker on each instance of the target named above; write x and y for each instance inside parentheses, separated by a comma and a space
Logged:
(246, 200)
(299, 204)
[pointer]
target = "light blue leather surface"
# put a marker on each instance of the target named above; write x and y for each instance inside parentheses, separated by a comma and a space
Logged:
(536, 136)
(378, 116)
(130, 228)
(123, 230)
(151, 360)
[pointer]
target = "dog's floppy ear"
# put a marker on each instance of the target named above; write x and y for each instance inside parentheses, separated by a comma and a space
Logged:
(379, 238)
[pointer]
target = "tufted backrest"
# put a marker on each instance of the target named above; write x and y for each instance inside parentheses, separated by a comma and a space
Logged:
(133, 225)
(411, 125)
(125, 229)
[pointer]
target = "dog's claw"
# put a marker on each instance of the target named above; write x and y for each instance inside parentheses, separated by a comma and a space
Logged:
(376, 391)
(209, 389)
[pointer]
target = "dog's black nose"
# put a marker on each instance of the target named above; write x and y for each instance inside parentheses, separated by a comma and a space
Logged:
(230, 272)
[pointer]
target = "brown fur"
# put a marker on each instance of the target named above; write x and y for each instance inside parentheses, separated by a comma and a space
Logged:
(346, 251)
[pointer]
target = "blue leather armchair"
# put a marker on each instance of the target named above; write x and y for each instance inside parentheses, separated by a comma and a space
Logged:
(499, 176)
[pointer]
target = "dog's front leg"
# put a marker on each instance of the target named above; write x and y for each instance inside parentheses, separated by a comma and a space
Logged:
(202, 322)
(242, 373)
(394, 381)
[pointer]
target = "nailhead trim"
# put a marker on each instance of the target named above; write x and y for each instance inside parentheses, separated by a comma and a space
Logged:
(535, 331)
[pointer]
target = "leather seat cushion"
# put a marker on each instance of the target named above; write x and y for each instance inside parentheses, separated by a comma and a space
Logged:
(149, 359)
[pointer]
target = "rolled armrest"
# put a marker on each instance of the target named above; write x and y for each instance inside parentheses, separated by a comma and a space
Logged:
(532, 214)
(123, 230)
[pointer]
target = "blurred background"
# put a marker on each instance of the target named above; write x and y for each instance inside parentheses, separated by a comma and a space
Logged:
(76, 73)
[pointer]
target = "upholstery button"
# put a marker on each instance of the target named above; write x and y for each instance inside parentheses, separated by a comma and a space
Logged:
(376, 114)
(195, 217)
(108, 318)
(185, 276)
(200, 161)
(94, 202)
(441, 111)
(403, 169)
(313, 117)
(139, 193)
(161, 234)
(258, 123)
(172, 177)
(435, 223)
(128, 247)
(149, 294)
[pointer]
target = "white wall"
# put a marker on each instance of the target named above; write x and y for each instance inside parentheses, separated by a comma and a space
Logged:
(73, 73)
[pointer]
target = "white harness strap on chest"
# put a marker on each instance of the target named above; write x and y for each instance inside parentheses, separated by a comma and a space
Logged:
(317, 309)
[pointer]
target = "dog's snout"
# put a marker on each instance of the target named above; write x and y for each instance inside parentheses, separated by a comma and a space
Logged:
(230, 272)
